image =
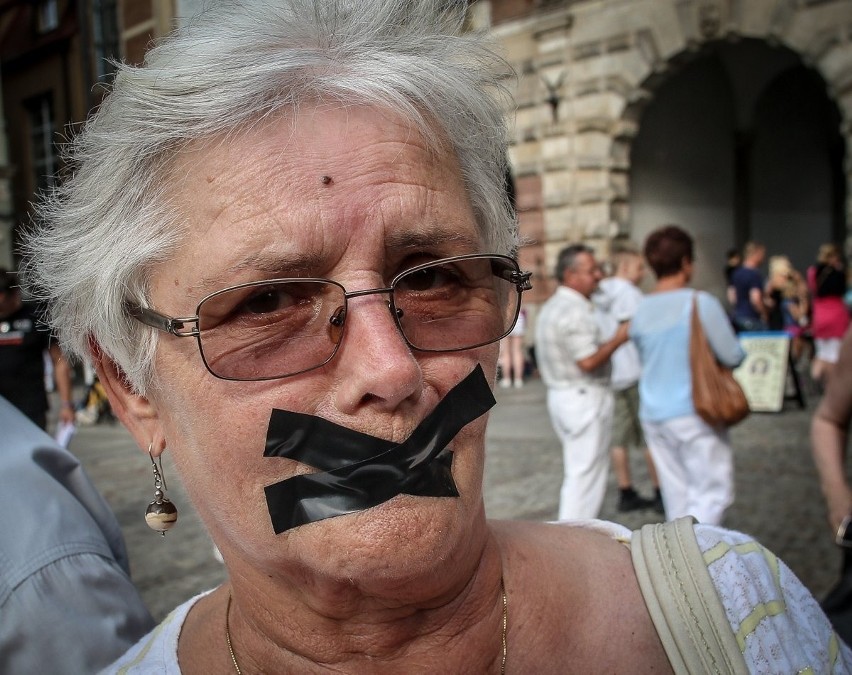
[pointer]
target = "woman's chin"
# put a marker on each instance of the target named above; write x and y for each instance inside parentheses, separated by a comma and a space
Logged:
(403, 539)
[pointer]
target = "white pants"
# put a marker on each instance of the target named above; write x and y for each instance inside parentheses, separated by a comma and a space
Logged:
(582, 419)
(695, 466)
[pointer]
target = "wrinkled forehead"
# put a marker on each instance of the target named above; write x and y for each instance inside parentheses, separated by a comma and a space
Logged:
(312, 183)
(311, 136)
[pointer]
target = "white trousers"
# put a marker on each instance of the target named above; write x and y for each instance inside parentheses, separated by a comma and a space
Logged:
(582, 419)
(695, 466)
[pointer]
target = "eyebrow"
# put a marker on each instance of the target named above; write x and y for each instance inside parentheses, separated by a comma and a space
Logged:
(279, 266)
(275, 266)
(430, 239)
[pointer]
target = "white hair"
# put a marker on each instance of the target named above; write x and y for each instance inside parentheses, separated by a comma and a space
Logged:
(97, 235)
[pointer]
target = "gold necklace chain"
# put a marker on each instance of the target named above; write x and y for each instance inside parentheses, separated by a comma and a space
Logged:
(503, 631)
(228, 636)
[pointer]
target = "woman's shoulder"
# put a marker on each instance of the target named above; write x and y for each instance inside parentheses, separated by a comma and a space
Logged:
(661, 307)
(557, 533)
(574, 596)
(709, 305)
(157, 651)
(776, 621)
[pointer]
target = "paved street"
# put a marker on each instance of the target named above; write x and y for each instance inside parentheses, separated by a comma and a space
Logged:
(778, 498)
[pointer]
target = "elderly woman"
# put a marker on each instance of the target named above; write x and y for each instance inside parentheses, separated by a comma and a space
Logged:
(284, 243)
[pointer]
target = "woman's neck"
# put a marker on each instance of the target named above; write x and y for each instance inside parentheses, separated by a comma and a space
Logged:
(671, 283)
(457, 618)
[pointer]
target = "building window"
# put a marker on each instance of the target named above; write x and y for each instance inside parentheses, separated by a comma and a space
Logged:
(45, 164)
(47, 16)
(105, 37)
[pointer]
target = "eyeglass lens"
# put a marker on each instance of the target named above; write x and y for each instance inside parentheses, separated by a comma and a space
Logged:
(279, 328)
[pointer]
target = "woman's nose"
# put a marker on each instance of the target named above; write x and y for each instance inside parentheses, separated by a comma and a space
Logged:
(374, 363)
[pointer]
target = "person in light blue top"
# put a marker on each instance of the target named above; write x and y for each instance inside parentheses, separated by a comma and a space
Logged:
(693, 459)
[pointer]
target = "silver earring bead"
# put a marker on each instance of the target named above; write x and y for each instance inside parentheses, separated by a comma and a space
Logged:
(161, 514)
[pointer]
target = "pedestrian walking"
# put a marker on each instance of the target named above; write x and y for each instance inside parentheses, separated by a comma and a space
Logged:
(512, 361)
(829, 437)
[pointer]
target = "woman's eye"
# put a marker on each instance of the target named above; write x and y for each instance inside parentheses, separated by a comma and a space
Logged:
(428, 279)
(265, 302)
(420, 281)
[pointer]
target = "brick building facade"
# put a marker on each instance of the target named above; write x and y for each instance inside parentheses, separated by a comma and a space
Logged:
(54, 60)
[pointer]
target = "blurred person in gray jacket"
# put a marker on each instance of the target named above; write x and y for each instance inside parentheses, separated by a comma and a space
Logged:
(67, 604)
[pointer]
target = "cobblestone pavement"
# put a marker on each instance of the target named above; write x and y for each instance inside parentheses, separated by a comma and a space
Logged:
(778, 498)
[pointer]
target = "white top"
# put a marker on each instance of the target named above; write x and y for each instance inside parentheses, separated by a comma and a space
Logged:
(567, 332)
(616, 301)
(775, 619)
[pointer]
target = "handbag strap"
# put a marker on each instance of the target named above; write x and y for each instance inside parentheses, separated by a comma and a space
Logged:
(682, 600)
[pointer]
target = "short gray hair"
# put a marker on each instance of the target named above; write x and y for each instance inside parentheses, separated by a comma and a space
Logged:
(567, 259)
(96, 237)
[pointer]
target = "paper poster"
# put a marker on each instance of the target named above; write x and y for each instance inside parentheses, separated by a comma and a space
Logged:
(763, 373)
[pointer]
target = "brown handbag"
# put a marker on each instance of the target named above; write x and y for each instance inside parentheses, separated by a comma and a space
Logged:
(718, 398)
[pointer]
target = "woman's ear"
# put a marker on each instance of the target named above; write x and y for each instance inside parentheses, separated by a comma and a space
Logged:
(135, 411)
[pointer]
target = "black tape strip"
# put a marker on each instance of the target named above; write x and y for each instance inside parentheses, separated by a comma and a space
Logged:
(307, 438)
(366, 471)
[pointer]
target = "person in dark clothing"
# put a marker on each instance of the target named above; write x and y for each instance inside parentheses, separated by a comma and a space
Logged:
(749, 312)
(22, 345)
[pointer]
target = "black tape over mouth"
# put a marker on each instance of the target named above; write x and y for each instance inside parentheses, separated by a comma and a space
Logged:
(359, 471)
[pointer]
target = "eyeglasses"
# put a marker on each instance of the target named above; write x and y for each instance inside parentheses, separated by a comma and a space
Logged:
(265, 330)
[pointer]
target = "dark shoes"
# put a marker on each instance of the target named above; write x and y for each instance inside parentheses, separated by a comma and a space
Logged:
(630, 500)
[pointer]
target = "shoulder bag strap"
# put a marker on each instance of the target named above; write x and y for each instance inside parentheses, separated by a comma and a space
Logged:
(682, 600)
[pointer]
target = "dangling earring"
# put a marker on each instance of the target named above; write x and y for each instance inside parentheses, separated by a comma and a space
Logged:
(161, 514)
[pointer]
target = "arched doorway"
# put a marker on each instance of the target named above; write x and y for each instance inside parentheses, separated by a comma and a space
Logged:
(739, 141)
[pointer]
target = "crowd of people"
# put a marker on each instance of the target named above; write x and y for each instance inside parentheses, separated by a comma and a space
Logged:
(617, 369)
(287, 250)
(648, 376)
(812, 308)
(691, 458)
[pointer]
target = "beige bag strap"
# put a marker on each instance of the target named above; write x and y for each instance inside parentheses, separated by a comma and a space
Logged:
(682, 600)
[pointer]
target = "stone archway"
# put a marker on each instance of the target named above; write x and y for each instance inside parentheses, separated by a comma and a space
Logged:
(740, 142)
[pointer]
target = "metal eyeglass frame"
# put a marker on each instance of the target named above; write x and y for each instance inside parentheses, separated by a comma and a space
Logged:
(183, 326)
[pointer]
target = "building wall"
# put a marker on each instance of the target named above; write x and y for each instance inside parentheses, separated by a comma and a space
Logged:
(587, 73)
(65, 63)
(37, 64)
(142, 22)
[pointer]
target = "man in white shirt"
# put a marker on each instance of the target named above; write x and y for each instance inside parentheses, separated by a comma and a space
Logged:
(573, 359)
